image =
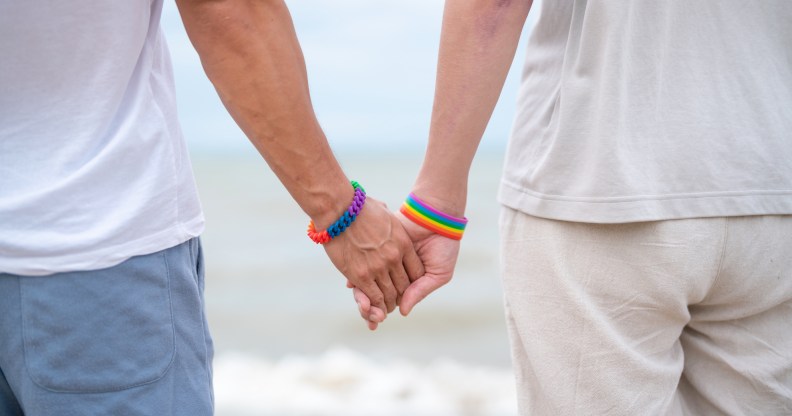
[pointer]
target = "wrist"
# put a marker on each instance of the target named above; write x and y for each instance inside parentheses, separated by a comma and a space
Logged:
(431, 218)
(444, 197)
(443, 184)
(329, 202)
(344, 220)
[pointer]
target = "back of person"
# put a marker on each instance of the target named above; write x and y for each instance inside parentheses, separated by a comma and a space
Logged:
(651, 110)
(99, 257)
(93, 166)
(646, 234)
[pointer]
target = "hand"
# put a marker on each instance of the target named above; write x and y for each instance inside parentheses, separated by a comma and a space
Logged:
(377, 257)
(439, 256)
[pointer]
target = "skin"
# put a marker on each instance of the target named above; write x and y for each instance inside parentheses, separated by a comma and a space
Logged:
(249, 50)
(477, 45)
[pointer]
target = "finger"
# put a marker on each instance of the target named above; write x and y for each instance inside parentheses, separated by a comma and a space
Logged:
(349, 284)
(374, 294)
(377, 315)
(412, 263)
(367, 312)
(387, 288)
(400, 280)
(372, 325)
(417, 291)
(363, 302)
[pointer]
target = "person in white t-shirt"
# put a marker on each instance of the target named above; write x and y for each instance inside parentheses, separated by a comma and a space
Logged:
(646, 228)
(101, 271)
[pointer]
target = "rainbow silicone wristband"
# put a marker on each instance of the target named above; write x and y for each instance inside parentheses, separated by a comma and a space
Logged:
(342, 223)
(424, 215)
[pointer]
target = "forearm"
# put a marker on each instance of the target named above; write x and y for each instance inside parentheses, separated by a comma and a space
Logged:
(477, 46)
(250, 52)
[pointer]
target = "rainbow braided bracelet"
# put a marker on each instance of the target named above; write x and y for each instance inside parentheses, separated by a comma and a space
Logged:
(422, 214)
(342, 223)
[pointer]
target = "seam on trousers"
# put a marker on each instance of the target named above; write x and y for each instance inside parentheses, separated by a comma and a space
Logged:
(200, 281)
(719, 270)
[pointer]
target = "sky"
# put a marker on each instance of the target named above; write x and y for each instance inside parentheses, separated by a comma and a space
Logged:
(371, 69)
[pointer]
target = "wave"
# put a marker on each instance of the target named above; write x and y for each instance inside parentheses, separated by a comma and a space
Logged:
(345, 382)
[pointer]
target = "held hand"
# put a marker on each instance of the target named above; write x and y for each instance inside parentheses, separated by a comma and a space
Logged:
(439, 256)
(376, 255)
(371, 314)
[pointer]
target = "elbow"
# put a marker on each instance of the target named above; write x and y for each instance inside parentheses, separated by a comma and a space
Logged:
(500, 15)
(213, 8)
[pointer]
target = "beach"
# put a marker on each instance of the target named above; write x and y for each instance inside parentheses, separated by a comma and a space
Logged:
(287, 333)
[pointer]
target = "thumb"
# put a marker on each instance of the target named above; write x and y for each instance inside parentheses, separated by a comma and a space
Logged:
(417, 291)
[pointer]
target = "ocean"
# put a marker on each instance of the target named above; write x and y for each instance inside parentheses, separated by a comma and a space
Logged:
(288, 337)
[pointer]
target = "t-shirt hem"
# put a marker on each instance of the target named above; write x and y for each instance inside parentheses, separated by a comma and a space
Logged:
(105, 257)
(645, 208)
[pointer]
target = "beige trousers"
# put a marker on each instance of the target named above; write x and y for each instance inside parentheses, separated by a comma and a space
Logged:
(682, 317)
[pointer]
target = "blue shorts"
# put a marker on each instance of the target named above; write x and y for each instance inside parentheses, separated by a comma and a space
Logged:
(127, 340)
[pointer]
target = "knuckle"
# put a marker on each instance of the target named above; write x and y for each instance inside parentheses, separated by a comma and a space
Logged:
(393, 256)
(360, 272)
(379, 269)
(377, 298)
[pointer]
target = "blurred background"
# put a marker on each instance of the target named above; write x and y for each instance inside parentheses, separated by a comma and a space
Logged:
(287, 333)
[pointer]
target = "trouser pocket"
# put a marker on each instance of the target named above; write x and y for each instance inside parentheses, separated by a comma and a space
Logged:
(99, 331)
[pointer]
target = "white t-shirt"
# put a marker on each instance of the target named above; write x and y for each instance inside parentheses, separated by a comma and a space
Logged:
(653, 110)
(93, 166)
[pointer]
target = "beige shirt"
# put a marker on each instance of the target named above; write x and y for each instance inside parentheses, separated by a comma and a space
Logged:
(653, 110)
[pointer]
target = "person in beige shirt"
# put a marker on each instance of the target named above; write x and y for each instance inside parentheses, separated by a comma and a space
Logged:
(647, 193)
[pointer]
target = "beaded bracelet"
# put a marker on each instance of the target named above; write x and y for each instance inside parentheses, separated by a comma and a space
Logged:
(342, 223)
(422, 214)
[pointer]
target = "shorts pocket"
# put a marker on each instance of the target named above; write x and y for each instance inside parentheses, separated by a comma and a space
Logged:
(99, 331)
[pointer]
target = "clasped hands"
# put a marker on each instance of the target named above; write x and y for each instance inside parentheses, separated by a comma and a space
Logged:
(390, 261)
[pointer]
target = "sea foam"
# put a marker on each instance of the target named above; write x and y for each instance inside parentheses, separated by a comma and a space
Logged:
(345, 382)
